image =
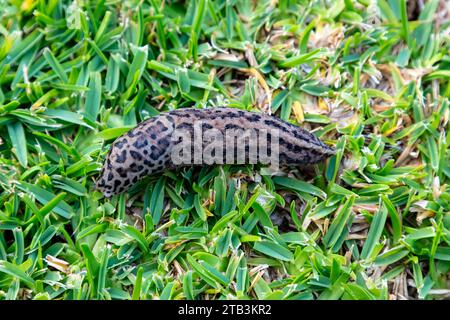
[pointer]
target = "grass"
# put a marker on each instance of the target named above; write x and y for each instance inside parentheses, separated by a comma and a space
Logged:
(368, 77)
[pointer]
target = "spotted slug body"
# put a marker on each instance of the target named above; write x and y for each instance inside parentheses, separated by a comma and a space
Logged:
(147, 149)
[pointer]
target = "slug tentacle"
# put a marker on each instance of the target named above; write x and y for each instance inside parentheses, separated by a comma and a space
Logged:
(205, 137)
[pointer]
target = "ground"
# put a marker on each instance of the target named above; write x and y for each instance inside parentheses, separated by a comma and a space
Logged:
(370, 78)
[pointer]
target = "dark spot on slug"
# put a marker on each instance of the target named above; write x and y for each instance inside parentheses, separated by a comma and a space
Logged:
(136, 155)
(232, 126)
(206, 126)
(155, 155)
(276, 124)
(148, 163)
(164, 143)
(254, 117)
(140, 143)
(122, 157)
(134, 167)
(185, 125)
(121, 143)
(122, 172)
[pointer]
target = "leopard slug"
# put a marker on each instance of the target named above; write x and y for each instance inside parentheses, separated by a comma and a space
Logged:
(146, 149)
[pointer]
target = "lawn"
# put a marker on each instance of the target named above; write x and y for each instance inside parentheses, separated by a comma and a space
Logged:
(368, 77)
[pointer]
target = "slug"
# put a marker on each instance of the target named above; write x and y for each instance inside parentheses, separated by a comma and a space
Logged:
(150, 147)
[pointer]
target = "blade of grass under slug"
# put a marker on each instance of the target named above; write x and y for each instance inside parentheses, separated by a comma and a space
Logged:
(375, 231)
(19, 142)
(14, 271)
(137, 284)
(55, 65)
(93, 97)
